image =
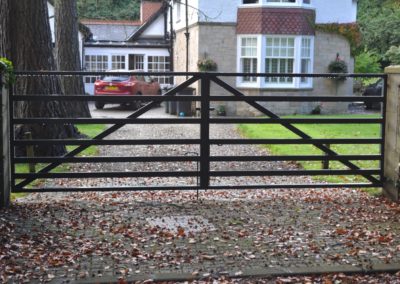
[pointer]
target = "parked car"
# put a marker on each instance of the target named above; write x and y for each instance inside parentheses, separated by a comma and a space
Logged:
(374, 89)
(129, 85)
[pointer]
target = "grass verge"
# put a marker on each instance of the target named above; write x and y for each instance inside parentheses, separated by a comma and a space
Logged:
(260, 131)
(90, 130)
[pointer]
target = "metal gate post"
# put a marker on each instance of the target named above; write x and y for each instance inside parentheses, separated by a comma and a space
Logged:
(5, 166)
(205, 132)
(391, 186)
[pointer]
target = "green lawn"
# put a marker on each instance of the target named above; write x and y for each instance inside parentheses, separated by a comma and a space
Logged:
(90, 130)
(259, 131)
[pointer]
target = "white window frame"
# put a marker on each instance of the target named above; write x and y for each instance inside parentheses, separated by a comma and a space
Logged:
(278, 3)
(94, 63)
(240, 80)
(165, 64)
(279, 57)
(119, 63)
(261, 60)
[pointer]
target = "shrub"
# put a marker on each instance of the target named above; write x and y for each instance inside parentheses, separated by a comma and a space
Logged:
(6, 68)
(367, 62)
(393, 54)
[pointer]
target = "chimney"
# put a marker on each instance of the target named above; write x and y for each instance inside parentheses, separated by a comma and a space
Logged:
(148, 9)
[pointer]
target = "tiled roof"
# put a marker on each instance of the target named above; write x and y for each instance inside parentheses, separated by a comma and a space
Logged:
(284, 21)
(107, 30)
(110, 22)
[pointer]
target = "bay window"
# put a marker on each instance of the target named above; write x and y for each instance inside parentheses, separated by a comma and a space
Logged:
(278, 54)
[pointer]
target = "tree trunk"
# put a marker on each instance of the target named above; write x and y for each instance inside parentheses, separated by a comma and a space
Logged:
(31, 49)
(67, 54)
(5, 48)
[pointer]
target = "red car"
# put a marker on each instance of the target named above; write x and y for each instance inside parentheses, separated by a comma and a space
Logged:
(130, 85)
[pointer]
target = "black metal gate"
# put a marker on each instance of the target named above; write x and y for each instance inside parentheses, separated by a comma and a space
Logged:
(25, 182)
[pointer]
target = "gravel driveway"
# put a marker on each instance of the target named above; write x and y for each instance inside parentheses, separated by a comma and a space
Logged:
(181, 131)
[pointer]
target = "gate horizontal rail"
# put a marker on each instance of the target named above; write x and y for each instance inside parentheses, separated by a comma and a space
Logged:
(22, 182)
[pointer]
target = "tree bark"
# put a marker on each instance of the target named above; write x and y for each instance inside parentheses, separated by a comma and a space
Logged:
(67, 53)
(5, 48)
(31, 49)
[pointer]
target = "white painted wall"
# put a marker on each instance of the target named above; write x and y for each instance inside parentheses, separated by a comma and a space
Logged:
(218, 11)
(327, 11)
(179, 19)
(338, 11)
(50, 10)
(155, 29)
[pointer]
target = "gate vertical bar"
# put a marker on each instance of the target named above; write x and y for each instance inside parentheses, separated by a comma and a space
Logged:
(5, 186)
(205, 132)
(383, 128)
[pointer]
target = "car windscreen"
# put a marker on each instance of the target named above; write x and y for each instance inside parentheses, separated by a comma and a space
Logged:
(115, 78)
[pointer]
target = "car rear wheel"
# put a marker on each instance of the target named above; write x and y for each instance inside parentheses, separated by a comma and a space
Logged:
(99, 105)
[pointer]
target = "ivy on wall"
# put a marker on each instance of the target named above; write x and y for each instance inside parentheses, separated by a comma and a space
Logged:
(350, 31)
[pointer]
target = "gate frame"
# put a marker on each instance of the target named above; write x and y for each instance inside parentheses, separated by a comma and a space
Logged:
(204, 128)
(5, 165)
(391, 187)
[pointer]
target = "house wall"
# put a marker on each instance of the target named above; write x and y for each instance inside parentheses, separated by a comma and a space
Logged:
(155, 29)
(338, 11)
(218, 37)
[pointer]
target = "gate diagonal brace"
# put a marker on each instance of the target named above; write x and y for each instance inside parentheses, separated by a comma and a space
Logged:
(290, 127)
(110, 130)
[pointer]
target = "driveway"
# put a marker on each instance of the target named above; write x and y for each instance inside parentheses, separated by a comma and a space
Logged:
(271, 236)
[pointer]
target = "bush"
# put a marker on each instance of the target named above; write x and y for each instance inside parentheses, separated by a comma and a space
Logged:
(367, 62)
(6, 68)
(393, 55)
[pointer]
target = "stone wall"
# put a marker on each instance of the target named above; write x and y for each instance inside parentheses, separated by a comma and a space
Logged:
(220, 46)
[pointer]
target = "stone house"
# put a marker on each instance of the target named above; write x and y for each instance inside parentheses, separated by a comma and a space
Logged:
(267, 36)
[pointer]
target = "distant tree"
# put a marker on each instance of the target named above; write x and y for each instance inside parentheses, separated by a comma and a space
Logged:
(67, 54)
(109, 10)
(379, 21)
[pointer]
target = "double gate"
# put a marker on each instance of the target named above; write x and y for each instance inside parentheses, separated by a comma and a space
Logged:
(203, 173)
